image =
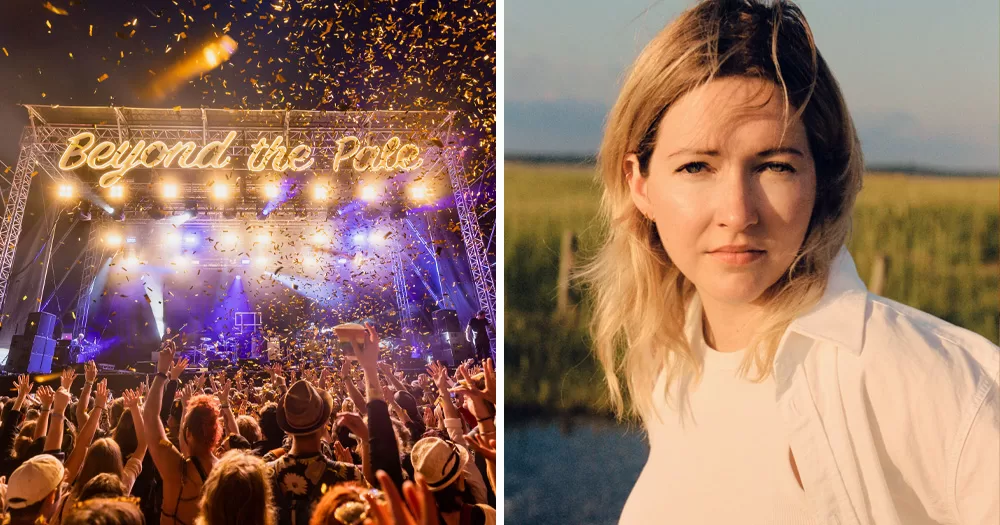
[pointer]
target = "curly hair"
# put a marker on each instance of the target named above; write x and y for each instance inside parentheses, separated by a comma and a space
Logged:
(201, 421)
(105, 511)
(341, 505)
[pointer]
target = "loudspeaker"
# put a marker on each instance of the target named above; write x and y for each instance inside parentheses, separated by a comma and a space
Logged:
(19, 354)
(461, 349)
(61, 357)
(441, 351)
(145, 367)
(41, 355)
(446, 321)
(41, 323)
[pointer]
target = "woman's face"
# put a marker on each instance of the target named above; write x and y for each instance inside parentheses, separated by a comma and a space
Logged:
(731, 199)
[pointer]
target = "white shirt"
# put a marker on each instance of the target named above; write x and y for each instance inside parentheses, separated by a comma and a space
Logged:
(723, 458)
(893, 415)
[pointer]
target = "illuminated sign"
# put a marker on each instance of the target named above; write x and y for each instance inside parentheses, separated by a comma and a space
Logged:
(119, 159)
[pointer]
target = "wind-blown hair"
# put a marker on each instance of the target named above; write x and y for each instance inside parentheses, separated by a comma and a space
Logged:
(639, 296)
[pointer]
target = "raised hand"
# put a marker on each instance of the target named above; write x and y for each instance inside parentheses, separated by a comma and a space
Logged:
(90, 371)
(223, 391)
(367, 354)
(101, 395)
(45, 396)
(419, 507)
(187, 393)
(345, 370)
(489, 392)
(131, 398)
(430, 419)
(61, 400)
(439, 374)
(178, 368)
(67, 377)
(486, 447)
(23, 386)
(166, 360)
(342, 454)
(354, 423)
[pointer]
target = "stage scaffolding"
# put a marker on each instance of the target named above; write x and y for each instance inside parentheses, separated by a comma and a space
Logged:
(50, 128)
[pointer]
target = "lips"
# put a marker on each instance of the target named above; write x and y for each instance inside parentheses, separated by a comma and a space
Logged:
(737, 254)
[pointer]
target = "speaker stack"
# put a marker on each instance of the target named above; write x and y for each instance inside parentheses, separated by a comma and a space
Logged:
(32, 351)
(449, 343)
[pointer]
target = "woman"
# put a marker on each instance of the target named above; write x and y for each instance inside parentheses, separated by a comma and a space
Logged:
(237, 492)
(442, 465)
(183, 474)
(772, 385)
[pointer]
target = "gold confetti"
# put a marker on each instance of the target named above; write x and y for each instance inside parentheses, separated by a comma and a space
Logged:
(102, 78)
(54, 9)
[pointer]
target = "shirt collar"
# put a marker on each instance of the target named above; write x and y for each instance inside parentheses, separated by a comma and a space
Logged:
(839, 316)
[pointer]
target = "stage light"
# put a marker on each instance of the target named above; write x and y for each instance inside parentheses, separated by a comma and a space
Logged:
(172, 239)
(271, 190)
(320, 238)
(220, 190)
(113, 239)
(342, 261)
(169, 190)
(376, 237)
(190, 240)
(263, 238)
(230, 238)
(243, 262)
(132, 260)
(130, 240)
(310, 261)
(117, 192)
(418, 192)
(181, 261)
(260, 261)
(368, 193)
(66, 191)
(320, 192)
(359, 238)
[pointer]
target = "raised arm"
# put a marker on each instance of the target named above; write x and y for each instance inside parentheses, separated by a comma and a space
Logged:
(381, 435)
(90, 375)
(227, 412)
(131, 398)
(45, 396)
(171, 389)
(486, 417)
(86, 435)
(54, 438)
(166, 458)
(360, 403)
(387, 372)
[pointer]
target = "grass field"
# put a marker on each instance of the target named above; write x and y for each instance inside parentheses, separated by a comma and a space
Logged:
(941, 236)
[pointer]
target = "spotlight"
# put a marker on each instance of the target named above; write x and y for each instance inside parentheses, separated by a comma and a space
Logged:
(376, 237)
(419, 192)
(358, 238)
(230, 238)
(260, 261)
(263, 238)
(368, 193)
(320, 192)
(271, 190)
(172, 239)
(320, 238)
(190, 240)
(113, 239)
(117, 192)
(220, 190)
(310, 261)
(132, 260)
(169, 191)
(66, 191)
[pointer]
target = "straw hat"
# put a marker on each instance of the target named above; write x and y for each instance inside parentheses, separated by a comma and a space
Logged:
(439, 461)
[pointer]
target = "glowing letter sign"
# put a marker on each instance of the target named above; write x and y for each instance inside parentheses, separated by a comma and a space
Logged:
(119, 159)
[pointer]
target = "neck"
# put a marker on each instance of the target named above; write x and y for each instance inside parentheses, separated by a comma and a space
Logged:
(302, 445)
(729, 327)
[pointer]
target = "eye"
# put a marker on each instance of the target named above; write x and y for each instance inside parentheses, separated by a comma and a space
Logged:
(779, 167)
(692, 168)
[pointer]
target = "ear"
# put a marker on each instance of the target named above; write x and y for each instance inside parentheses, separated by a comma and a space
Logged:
(636, 183)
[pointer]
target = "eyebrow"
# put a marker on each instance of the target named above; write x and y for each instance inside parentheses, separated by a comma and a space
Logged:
(715, 153)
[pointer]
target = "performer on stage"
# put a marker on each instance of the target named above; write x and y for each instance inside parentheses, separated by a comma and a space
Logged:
(475, 333)
(75, 349)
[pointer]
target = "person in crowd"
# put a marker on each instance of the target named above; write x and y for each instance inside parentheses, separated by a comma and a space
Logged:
(299, 475)
(183, 471)
(103, 485)
(237, 492)
(442, 464)
(105, 511)
(34, 490)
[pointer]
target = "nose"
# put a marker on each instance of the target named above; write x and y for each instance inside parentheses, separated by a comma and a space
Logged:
(737, 205)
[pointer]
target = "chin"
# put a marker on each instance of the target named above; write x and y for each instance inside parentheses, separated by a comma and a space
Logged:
(742, 289)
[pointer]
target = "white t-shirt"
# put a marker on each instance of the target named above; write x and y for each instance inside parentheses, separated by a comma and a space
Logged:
(729, 460)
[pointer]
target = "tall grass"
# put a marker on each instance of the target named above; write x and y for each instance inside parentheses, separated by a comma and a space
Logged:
(941, 236)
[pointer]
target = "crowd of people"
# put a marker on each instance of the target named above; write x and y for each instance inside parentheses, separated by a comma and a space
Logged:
(358, 444)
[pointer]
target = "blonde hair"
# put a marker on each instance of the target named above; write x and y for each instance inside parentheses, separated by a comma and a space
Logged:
(238, 492)
(639, 296)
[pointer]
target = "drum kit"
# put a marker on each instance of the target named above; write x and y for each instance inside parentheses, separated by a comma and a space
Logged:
(206, 349)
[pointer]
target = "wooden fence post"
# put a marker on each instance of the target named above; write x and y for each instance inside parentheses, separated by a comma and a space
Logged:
(567, 258)
(879, 269)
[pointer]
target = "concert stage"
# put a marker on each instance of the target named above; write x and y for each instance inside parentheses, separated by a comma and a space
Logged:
(238, 228)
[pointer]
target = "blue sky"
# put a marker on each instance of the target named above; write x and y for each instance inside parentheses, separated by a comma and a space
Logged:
(921, 78)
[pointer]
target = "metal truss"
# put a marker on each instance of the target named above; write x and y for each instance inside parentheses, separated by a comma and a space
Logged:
(46, 137)
(472, 236)
(402, 297)
(92, 261)
(17, 198)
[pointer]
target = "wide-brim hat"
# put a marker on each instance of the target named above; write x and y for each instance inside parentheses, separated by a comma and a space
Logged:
(304, 409)
(439, 461)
